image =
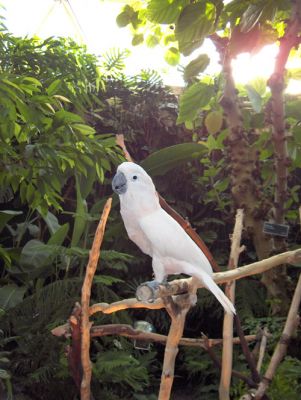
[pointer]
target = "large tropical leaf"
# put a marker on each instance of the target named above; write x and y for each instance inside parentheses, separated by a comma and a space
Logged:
(161, 161)
(193, 100)
(165, 11)
(11, 295)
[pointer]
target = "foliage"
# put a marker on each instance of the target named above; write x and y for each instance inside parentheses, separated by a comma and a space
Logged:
(58, 110)
(184, 25)
(53, 162)
(207, 194)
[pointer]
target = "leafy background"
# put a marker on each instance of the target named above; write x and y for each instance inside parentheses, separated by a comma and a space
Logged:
(60, 108)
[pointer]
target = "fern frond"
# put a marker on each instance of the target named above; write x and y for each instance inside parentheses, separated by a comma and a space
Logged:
(113, 62)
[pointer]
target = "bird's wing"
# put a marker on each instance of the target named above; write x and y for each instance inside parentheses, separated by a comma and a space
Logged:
(168, 239)
(136, 234)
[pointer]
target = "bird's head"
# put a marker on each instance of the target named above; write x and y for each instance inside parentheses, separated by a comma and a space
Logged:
(130, 177)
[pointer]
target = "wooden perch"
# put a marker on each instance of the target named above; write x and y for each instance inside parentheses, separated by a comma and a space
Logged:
(227, 354)
(185, 285)
(106, 308)
(177, 310)
(130, 332)
(85, 303)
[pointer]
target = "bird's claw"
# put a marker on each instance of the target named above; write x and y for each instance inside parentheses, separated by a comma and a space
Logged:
(153, 287)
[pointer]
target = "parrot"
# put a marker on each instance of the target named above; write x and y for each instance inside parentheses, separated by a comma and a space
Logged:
(157, 234)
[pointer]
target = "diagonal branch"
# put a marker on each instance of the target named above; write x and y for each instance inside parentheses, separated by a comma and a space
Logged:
(218, 364)
(85, 302)
(291, 324)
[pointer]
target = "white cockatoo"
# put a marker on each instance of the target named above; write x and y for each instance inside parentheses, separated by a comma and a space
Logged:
(157, 234)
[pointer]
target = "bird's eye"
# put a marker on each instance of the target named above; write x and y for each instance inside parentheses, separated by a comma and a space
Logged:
(135, 177)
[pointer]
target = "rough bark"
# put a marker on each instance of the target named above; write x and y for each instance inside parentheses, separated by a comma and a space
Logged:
(244, 174)
(277, 85)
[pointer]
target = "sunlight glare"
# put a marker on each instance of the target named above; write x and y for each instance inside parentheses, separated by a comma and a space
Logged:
(94, 23)
(247, 67)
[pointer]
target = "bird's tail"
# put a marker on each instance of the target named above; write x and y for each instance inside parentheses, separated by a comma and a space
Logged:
(218, 293)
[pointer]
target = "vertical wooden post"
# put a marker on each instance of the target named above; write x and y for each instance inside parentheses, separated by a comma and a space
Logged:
(227, 355)
(85, 390)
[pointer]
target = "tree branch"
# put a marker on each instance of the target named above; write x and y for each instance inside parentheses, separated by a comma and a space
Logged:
(276, 83)
(248, 355)
(227, 353)
(85, 302)
(243, 161)
(182, 304)
(262, 348)
(124, 305)
(291, 324)
(130, 332)
(218, 364)
(179, 286)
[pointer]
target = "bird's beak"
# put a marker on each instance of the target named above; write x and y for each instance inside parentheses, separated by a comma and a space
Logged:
(119, 183)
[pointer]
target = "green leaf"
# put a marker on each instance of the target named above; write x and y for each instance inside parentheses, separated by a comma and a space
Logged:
(128, 15)
(67, 117)
(194, 24)
(193, 100)
(84, 129)
(172, 56)
(4, 374)
(59, 236)
(99, 172)
(165, 11)
(52, 88)
(123, 19)
(169, 38)
(162, 161)
(51, 221)
(5, 256)
(214, 121)
(255, 98)
(6, 215)
(294, 73)
(196, 66)
(152, 41)
(106, 280)
(261, 11)
(11, 295)
(211, 143)
(137, 39)
(222, 185)
(293, 109)
(80, 218)
(35, 254)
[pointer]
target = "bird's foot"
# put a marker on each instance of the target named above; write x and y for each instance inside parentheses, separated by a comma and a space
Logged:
(147, 291)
